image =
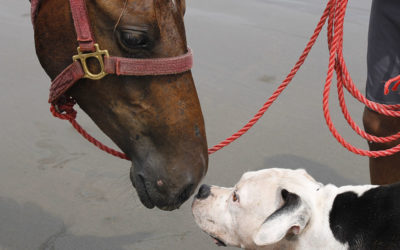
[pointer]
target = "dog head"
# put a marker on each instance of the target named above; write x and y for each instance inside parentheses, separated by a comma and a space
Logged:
(266, 208)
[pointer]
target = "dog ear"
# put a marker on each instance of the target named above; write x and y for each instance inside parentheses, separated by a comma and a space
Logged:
(291, 218)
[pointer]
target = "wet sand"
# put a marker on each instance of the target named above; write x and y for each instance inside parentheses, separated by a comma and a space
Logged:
(59, 192)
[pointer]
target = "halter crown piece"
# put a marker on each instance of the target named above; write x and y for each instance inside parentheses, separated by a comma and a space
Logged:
(78, 69)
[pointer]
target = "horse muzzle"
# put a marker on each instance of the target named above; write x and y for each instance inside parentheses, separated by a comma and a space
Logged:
(155, 192)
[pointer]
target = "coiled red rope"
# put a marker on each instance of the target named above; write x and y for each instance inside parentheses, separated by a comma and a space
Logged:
(334, 13)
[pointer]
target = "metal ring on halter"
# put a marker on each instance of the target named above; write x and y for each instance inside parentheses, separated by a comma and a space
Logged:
(98, 55)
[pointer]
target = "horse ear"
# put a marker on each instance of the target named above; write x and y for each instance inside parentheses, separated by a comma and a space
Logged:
(181, 4)
(291, 218)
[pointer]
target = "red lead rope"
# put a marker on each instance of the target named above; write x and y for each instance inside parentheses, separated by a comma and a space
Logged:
(70, 115)
(334, 12)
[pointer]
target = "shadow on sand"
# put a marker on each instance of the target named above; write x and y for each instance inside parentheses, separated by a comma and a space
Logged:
(320, 172)
(27, 226)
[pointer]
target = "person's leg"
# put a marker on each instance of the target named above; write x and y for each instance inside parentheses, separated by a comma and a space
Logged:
(383, 170)
(383, 63)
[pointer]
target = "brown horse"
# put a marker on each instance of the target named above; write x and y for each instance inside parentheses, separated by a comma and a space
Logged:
(155, 120)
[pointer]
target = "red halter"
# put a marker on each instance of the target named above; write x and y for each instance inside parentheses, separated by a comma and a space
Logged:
(88, 48)
(109, 64)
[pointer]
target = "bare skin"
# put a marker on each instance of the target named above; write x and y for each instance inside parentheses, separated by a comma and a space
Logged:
(383, 170)
(155, 120)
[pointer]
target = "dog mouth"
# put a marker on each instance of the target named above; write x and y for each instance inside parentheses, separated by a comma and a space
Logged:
(218, 241)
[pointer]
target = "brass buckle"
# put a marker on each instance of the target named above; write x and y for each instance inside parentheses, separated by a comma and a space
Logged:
(98, 54)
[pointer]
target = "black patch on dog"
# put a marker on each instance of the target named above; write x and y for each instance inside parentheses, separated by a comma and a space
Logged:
(291, 202)
(371, 221)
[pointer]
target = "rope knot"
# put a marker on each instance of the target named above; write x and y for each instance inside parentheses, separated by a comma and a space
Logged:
(64, 108)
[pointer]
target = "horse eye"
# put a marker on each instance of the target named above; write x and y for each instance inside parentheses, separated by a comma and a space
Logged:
(134, 40)
(235, 197)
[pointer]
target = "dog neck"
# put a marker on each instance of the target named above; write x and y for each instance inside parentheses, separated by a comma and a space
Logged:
(318, 234)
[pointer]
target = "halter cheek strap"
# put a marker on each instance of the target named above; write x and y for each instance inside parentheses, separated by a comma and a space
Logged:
(82, 25)
(81, 22)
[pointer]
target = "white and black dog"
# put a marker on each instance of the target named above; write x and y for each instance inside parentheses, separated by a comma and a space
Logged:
(288, 209)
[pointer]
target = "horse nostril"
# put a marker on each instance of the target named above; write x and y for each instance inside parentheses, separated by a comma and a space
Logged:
(204, 192)
(185, 194)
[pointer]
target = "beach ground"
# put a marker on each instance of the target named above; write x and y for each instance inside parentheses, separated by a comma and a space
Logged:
(59, 192)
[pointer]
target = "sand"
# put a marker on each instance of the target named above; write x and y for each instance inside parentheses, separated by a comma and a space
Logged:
(59, 192)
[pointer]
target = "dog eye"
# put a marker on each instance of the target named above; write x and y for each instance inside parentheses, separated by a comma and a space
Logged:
(235, 197)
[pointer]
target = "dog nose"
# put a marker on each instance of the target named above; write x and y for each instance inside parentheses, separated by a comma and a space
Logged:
(204, 192)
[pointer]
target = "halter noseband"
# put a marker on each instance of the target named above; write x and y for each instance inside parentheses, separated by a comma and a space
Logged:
(88, 48)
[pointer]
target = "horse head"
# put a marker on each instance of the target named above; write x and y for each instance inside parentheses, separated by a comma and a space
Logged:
(155, 120)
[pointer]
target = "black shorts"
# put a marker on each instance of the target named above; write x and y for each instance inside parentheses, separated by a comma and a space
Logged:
(383, 57)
